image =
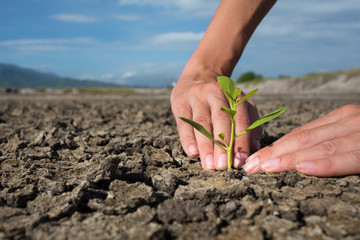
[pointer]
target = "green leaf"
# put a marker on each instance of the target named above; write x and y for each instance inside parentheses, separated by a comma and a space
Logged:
(238, 93)
(228, 87)
(228, 111)
(247, 96)
(263, 120)
(222, 136)
(201, 129)
(267, 118)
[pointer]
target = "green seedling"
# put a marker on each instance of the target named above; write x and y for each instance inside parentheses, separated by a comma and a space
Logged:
(232, 93)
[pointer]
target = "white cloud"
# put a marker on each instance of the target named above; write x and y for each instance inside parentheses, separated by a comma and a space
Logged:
(202, 8)
(206, 8)
(311, 20)
(41, 45)
(176, 37)
(129, 18)
(75, 18)
(107, 76)
(128, 74)
(181, 8)
(297, 37)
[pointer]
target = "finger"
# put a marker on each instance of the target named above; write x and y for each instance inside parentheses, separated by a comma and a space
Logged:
(324, 150)
(339, 165)
(186, 131)
(297, 141)
(306, 138)
(330, 118)
(205, 146)
(242, 143)
(257, 132)
(221, 124)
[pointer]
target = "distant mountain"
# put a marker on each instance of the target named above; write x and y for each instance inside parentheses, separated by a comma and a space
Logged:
(16, 77)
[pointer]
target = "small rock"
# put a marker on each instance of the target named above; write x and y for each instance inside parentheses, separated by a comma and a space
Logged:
(20, 197)
(107, 170)
(231, 209)
(56, 207)
(15, 144)
(163, 180)
(39, 139)
(49, 186)
(157, 157)
(124, 196)
(179, 211)
(314, 206)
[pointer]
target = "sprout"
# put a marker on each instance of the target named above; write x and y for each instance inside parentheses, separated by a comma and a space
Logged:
(232, 93)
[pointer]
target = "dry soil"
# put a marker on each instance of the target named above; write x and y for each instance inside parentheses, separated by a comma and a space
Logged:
(97, 167)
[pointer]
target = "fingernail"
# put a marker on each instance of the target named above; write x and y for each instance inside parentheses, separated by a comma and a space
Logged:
(269, 165)
(193, 150)
(222, 162)
(252, 165)
(257, 145)
(209, 162)
(239, 159)
(304, 166)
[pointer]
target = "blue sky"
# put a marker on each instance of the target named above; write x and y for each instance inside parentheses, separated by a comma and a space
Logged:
(148, 42)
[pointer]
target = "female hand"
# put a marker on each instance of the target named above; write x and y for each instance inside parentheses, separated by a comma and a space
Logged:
(328, 146)
(199, 97)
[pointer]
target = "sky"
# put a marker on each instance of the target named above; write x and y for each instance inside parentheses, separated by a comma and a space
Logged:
(148, 42)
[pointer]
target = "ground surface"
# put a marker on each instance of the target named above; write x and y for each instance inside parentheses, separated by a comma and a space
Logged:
(113, 168)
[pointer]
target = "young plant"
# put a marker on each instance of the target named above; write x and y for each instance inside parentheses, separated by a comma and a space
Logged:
(232, 93)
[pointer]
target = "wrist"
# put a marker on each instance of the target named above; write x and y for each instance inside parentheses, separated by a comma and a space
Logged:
(201, 69)
(198, 70)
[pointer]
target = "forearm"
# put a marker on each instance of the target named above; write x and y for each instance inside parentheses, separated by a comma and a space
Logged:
(227, 35)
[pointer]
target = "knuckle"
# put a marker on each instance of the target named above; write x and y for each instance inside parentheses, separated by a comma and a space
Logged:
(330, 166)
(180, 110)
(182, 125)
(186, 140)
(294, 132)
(355, 157)
(222, 117)
(328, 148)
(177, 107)
(243, 121)
(174, 99)
(302, 136)
(203, 120)
(268, 151)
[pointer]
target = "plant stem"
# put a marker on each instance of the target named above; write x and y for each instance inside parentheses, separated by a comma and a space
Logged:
(230, 148)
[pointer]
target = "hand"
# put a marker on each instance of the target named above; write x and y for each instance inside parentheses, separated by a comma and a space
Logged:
(198, 96)
(200, 100)
(328, 146)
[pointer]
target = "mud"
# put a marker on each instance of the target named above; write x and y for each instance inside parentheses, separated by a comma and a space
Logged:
(113, 168)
